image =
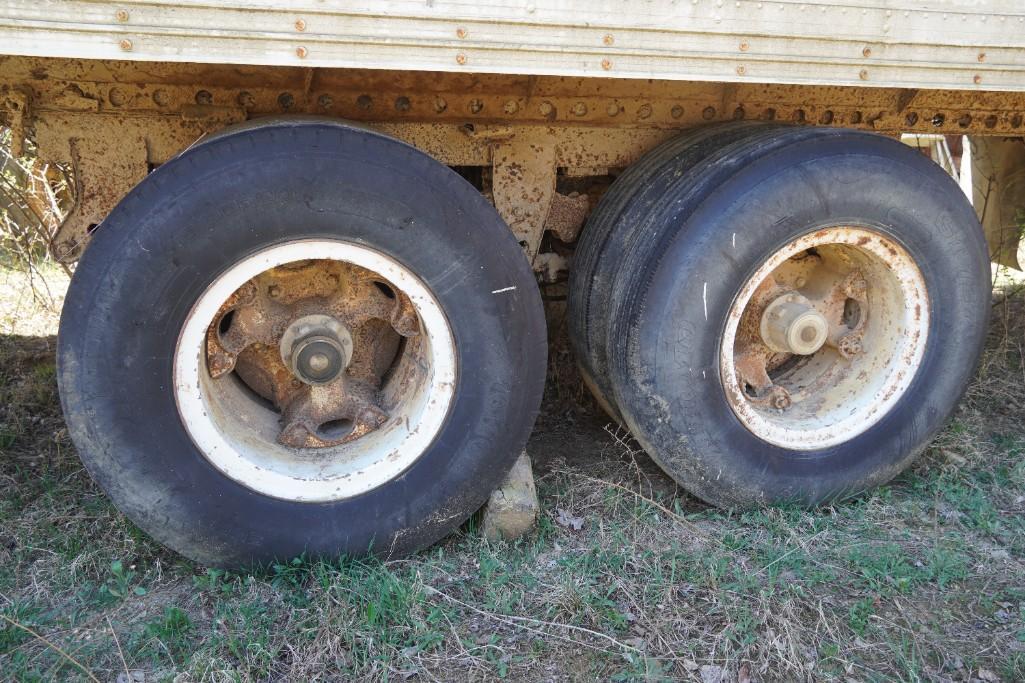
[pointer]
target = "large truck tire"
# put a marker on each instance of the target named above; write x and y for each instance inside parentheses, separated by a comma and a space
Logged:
(794, 316)
(599, 252)
(301, 337)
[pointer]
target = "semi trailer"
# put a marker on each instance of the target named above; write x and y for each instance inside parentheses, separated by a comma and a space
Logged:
(309, 241)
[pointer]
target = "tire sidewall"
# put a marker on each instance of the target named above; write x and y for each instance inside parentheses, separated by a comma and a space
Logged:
(849, 179)
(199, 214)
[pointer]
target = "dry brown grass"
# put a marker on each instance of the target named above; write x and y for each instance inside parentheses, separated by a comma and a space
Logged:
(923, 579)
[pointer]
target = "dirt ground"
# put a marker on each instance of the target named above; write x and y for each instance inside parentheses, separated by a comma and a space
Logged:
(626, 578)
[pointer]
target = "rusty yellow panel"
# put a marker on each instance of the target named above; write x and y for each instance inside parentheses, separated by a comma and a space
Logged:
(224, 93)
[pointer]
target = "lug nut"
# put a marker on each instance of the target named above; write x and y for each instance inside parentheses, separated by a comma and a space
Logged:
(849, 346)
(780, 399)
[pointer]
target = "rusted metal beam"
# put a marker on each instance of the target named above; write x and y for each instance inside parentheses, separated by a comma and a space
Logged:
(128, 88)
(114, 119)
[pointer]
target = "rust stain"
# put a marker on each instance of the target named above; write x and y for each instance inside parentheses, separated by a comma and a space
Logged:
(246, 335)
(117, 119)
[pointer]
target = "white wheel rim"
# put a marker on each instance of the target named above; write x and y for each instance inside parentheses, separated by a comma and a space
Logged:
(244, 453)
(895, 336)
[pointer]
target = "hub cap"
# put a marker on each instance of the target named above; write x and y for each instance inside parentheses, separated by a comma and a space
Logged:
(316, 348)
(824, 338)
(315, 370)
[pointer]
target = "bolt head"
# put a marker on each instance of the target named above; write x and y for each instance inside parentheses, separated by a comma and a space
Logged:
(301, 52)
(781, 401)
(460, 58)
(121, 15)
(300, 25)
(850, 346)
(125, 45)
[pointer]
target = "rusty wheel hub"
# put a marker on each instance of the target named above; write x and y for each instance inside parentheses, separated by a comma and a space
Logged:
(316, 348)
(824, 337)
(315, 370)
(315, 339)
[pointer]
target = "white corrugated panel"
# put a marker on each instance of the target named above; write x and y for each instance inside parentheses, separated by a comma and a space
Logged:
(940, 44)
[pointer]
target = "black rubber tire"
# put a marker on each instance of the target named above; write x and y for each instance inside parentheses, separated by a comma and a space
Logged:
(600, 247)
(248, 189)
(769, 188)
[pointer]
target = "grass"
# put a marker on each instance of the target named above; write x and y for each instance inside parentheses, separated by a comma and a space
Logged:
(923, 579)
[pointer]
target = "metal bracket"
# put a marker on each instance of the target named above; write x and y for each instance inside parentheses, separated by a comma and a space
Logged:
(106, 168)
(523, 184)
(15, 103)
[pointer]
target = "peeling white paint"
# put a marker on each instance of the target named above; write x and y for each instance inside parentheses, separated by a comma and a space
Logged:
(879, 375)
(247, 451)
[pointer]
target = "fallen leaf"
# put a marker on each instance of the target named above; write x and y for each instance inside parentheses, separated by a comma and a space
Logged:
(711, 674)
(134, 676)
(566, 519)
